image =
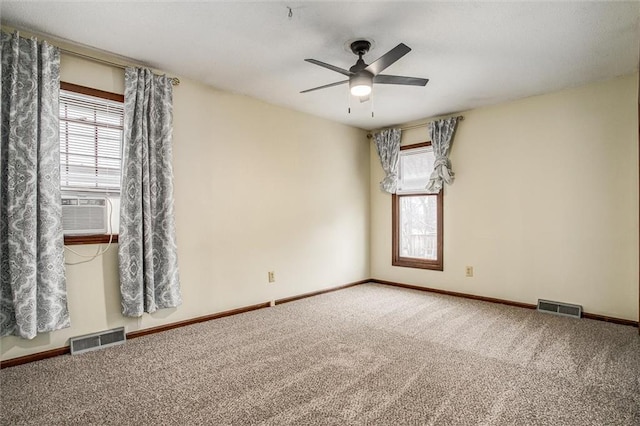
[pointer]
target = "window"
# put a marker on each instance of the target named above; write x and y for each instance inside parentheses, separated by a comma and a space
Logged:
(416, 215)
(91, 124)
(91, 128)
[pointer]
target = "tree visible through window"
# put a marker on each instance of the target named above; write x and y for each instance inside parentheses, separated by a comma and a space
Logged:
(417, 215)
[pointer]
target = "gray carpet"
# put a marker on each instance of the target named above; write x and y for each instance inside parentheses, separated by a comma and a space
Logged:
(366, 355)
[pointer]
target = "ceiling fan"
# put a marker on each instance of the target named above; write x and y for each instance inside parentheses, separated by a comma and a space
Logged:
(363, 76)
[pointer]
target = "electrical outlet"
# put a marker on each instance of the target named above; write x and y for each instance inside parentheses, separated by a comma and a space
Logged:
(468, 271)
(272, 277)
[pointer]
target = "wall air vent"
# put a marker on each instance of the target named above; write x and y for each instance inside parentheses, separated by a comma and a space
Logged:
(94, 341)
(559, 308)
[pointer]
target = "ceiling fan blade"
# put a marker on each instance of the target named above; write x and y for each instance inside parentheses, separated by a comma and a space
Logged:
(329, 66)
(388, 58)
(325, 86)
(397, 79)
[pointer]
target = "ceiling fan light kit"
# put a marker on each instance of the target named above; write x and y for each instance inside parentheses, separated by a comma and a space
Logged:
(362, 76)
(360, 84)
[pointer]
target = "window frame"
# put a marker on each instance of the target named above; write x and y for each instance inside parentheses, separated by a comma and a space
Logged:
(93, 238)
(411, 262)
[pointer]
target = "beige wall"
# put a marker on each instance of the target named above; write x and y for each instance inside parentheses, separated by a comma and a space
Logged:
(258, 188)
(545, 202)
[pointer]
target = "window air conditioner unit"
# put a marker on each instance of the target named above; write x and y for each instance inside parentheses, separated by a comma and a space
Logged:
(84, 215)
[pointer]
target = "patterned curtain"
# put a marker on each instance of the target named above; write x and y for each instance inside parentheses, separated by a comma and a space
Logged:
(441, 132)
(147, 244)
(388, 145)
(33, 296)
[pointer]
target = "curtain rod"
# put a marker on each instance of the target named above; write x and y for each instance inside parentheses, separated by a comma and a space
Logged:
(174, 80)
(416, 126)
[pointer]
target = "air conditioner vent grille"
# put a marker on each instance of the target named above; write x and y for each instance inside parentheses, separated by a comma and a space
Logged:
(84, 215)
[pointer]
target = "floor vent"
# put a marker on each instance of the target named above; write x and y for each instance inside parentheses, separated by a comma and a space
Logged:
(95, 341)
(559, 308)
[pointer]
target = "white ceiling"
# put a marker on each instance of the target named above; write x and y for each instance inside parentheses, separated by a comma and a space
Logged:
(474, 53)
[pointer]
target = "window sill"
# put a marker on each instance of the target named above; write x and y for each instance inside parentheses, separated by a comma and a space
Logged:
(73, 240)
(434, 265)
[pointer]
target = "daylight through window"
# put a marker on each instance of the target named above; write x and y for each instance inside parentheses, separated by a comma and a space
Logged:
(90, 141)
(91, 130)
(417, 215)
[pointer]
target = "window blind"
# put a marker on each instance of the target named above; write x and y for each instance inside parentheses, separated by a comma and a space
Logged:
(416, 166)
(90, 142)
